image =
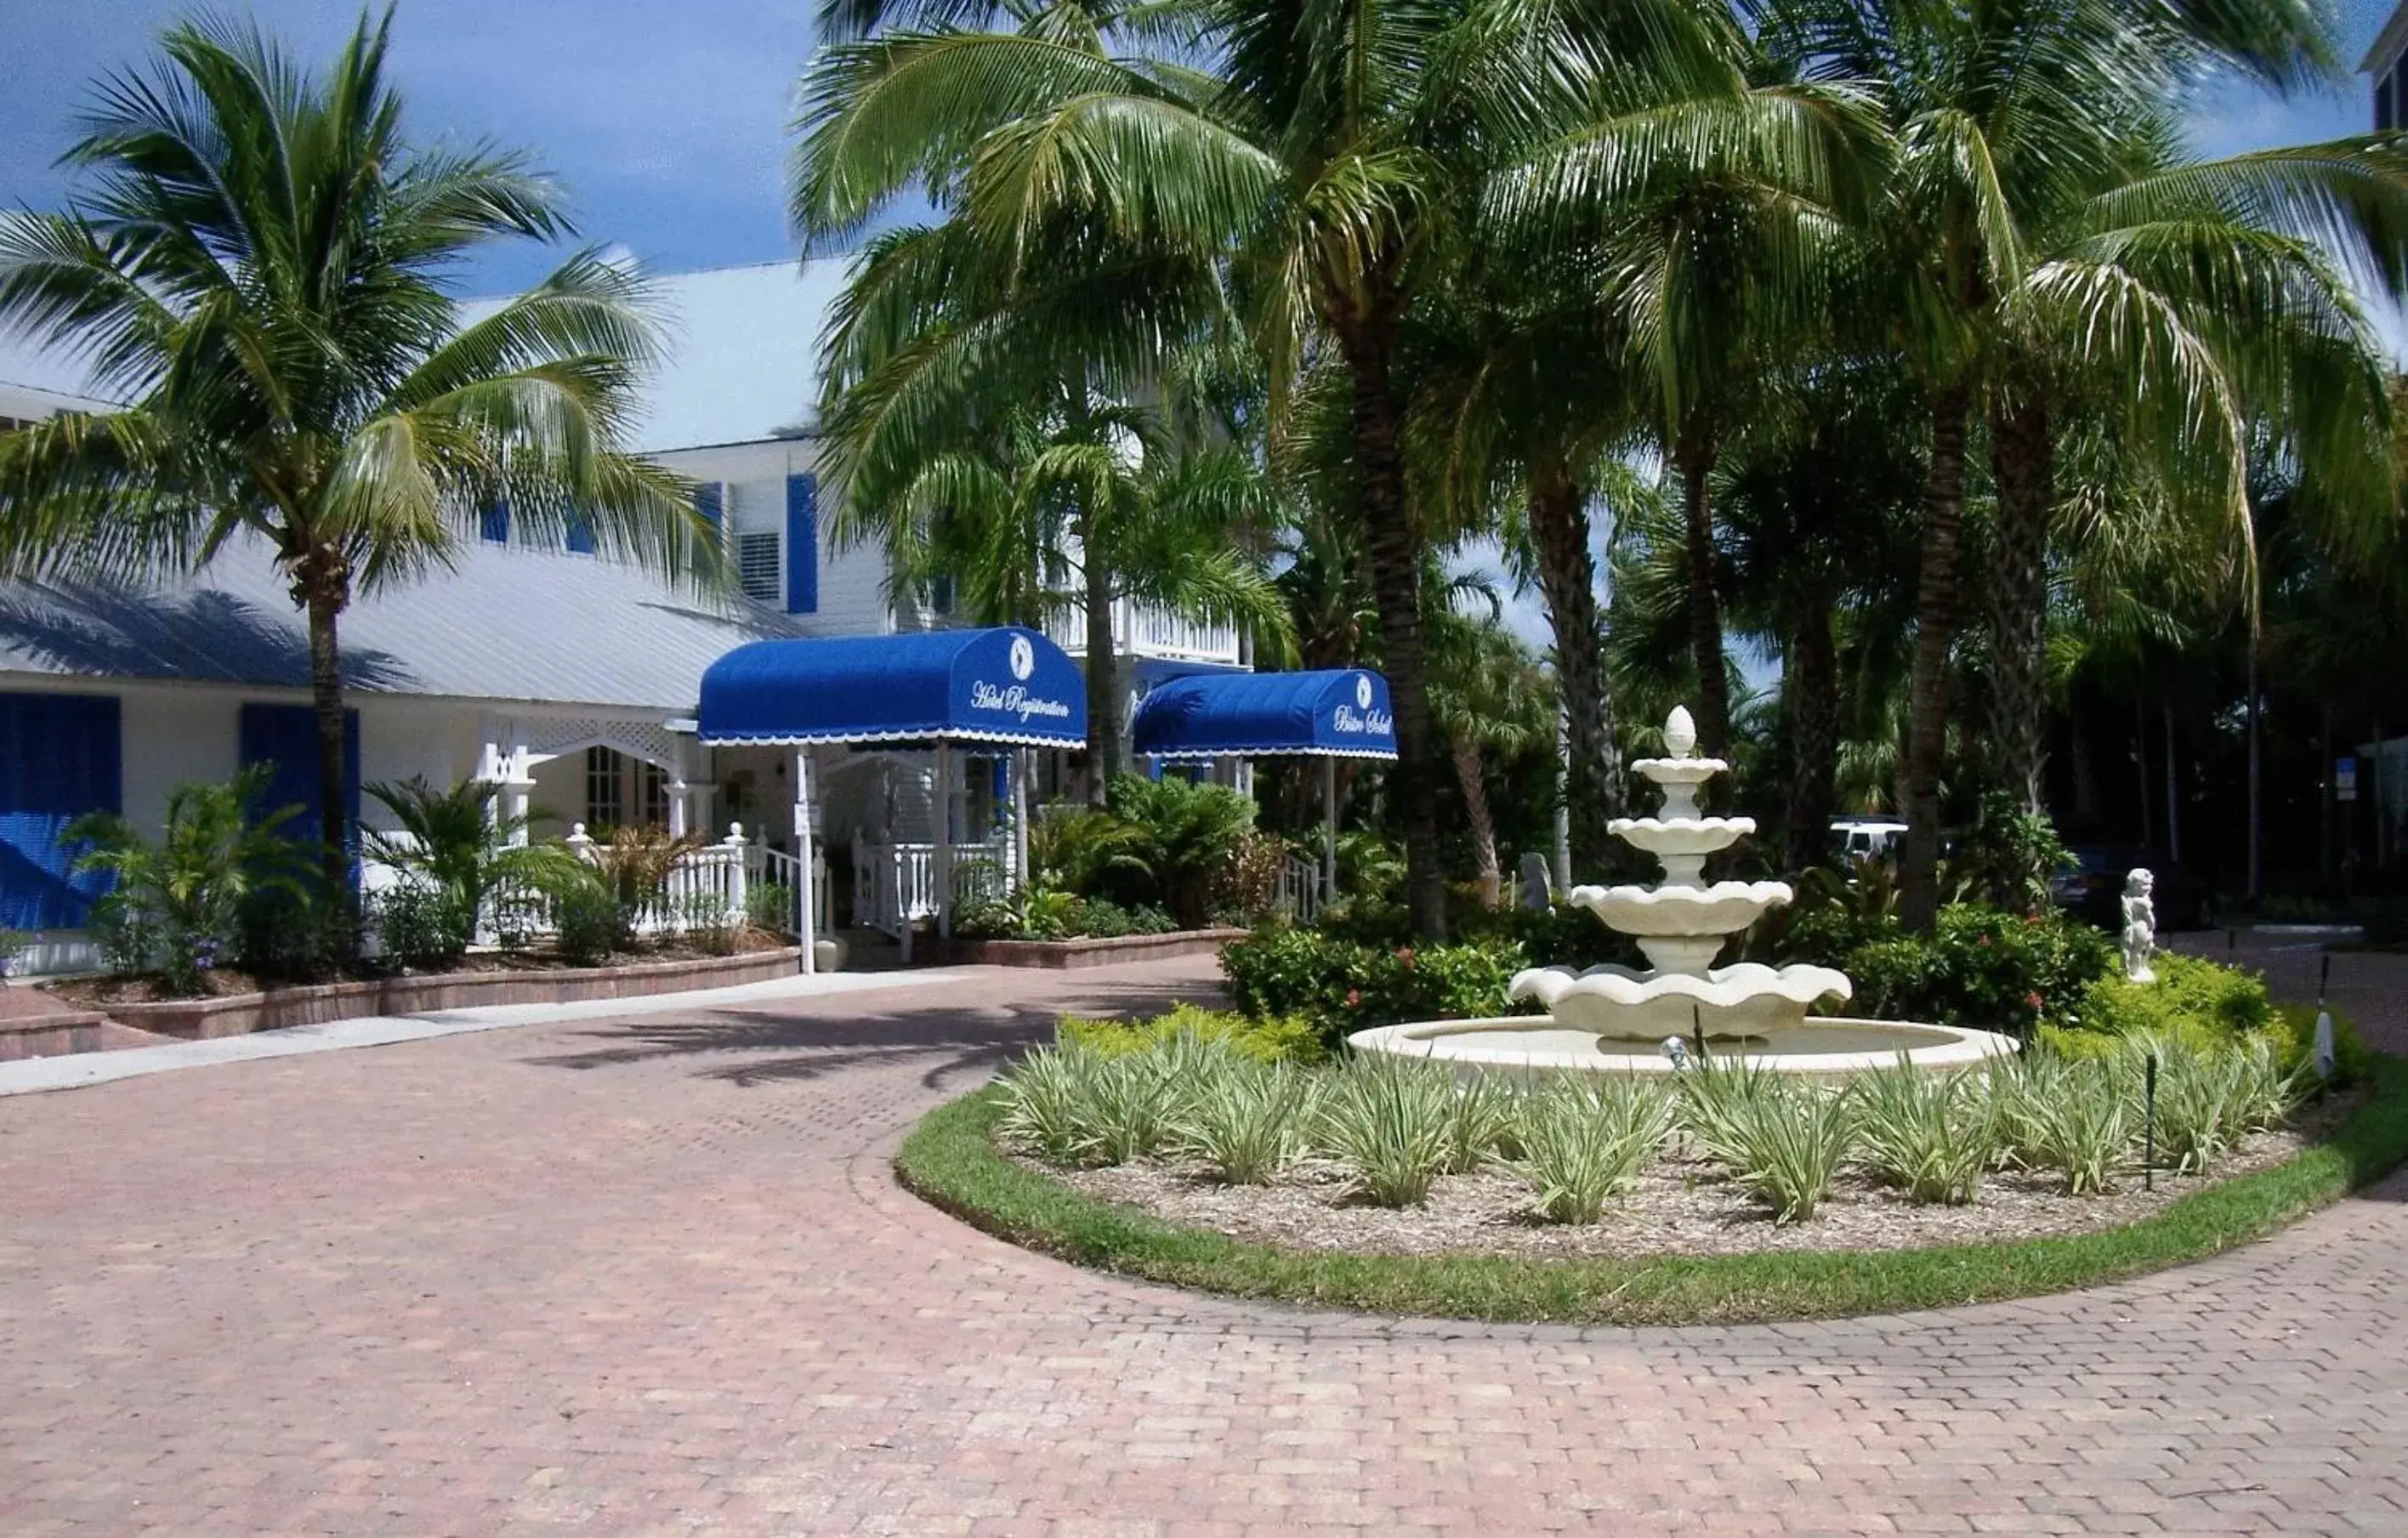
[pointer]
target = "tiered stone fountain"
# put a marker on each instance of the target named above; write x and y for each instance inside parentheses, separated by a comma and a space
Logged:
(1616, 1019)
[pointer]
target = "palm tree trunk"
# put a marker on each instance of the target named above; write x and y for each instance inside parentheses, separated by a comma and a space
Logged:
(1935, 632)
(1483, 822)
(1695, 462)
(2022, 460)
(1568, 581)
(1368, 340)
(1810, 688)
(324, 579)
(1103, 698)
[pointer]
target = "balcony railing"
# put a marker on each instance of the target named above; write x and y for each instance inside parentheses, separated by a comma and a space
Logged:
(1146, 632)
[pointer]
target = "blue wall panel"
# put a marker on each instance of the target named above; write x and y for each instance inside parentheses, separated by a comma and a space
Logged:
(802, 544)
(61, 755)
(286, 736)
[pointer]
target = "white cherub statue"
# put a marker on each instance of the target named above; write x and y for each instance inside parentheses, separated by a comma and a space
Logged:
(2140, 926)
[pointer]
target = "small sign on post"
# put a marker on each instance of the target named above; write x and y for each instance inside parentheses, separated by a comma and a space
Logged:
(2346, 779)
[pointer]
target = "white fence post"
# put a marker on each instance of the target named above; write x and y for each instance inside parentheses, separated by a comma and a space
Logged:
(738, 898)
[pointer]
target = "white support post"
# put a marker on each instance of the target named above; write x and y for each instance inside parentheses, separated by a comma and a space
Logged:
(805, 847)
(941, 814)
(1020, 818)
(1328, 829)
(736, 895)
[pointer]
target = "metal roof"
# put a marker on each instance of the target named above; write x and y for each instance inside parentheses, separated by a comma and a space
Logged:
(509, 624)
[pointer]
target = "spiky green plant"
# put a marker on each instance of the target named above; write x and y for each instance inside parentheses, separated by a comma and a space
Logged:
(1485, 1123)
(2077, 1118)
(1048, 1102)
(1932, 1134)
(1584, 1144)
(1392, 1121)
(1249, 1123)
(1717, 1095)
(1787, 1143)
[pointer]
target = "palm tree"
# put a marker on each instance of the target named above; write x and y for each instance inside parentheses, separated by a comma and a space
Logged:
(260, 267)
(1325, 162)
(1492, 702)
(2002, 120)
(1003, 470)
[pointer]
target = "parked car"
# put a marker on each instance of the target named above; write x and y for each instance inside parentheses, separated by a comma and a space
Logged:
(1854, 839)
(2093, 888)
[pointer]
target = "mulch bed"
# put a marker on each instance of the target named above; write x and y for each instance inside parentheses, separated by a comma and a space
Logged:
(1683, 1205)
(100, 991)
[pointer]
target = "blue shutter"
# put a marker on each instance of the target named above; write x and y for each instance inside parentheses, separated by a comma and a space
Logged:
(496, 529)
(61, 755)
(286, 737)
(708, 500)
(580, 534)
(802, 544)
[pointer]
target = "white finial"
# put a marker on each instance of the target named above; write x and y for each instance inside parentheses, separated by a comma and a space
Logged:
(1680, 733)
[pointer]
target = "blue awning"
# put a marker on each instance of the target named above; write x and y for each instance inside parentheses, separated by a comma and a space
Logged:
(1341, 713)
(1000, 685)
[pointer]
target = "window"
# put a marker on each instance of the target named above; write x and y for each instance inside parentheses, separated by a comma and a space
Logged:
(606, 790)
(757, 565)
(2387, 98)
(656, 794)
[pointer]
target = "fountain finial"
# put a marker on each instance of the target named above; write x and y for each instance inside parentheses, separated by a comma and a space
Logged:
(1680, 733)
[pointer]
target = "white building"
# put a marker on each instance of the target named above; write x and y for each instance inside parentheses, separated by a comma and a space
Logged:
(570, 679)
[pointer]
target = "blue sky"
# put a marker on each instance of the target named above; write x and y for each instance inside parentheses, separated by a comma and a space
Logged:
(665, 118)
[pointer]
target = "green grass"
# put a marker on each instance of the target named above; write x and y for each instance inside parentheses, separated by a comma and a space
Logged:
(951, 1161)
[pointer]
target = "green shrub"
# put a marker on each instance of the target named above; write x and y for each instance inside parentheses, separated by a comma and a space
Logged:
(587, 922)
(288, 933)
(1585, 1144)
(2294, 1036)
(1983, 968)
(1931, 1134)
(1342, 988)
(421, 924)
(178, 903)
(1135, 1102)
(1188, 835)
(772, 906)
(1392, 1122)
(1275, 1038)
(1248, 1123)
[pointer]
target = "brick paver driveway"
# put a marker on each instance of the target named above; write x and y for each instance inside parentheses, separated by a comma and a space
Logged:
(654, 1276)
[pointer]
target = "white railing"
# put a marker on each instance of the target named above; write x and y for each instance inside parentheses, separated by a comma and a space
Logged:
(1299, 892)
(712, 885)
(1146, 632)
(895, 884)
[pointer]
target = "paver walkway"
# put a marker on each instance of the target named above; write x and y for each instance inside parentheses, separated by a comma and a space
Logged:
(654, 1276)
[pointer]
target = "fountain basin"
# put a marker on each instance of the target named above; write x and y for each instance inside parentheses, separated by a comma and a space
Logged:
(1687, 835)
(1643, 1007)
(1533, 1045)
(1721, 910)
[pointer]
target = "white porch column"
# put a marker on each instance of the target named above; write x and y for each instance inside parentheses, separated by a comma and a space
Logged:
(1328, 829)
(941, 813)
(806, 848)
(518, 785)
(1020, 818)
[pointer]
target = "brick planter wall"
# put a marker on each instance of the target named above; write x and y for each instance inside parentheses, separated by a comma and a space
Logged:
(242, 1013)
(1086, 953)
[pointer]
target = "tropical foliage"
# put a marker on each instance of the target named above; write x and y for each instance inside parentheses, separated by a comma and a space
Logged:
(260, 264)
